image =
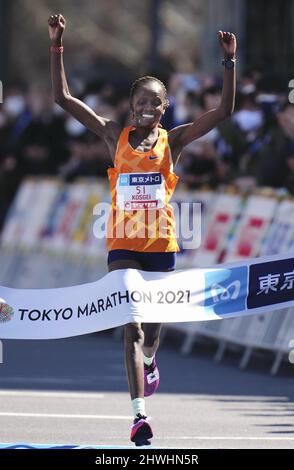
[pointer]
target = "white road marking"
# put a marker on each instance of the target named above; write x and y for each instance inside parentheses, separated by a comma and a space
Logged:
(228, 438)
(40, 393)
(211, 438)
(60, 415)
(58, 380)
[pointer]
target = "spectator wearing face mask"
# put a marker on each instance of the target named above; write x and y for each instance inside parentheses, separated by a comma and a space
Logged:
(275, 158)
(212, 159)
(41, 145)
(14, 117)
(249, 117)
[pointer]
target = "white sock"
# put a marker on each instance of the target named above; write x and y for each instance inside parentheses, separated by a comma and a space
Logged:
(138, 405)
(147, 360)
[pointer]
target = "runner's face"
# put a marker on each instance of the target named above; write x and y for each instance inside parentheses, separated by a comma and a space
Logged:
(148, 105)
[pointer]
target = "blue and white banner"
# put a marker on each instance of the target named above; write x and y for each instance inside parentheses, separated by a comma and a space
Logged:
(129, 295)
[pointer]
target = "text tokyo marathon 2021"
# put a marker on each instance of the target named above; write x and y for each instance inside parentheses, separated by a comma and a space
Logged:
(102, 305)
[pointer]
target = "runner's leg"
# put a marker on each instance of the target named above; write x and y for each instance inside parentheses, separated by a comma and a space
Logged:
(151, 338)
(141, 432)
(134, 338)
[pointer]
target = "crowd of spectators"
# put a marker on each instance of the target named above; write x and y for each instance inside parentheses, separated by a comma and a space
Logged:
(254, 147)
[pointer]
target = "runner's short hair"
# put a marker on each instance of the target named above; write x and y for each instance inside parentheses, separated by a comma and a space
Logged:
(148, 78)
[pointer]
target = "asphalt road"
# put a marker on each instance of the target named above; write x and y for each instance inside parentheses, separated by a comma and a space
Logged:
(74, 391)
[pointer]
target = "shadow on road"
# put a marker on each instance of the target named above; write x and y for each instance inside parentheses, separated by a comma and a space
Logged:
(95, 363)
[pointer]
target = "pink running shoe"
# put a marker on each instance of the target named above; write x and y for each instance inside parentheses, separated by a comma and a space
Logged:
(141, 431)
(151, 378)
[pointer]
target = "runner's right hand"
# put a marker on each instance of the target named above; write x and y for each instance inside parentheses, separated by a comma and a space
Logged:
(56, 27)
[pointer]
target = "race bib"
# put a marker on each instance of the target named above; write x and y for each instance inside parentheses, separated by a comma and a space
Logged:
(137, 191)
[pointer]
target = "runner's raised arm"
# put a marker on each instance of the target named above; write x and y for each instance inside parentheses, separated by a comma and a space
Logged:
(104, 128)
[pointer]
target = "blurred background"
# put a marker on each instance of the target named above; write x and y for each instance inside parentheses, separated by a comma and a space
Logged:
(176, 41)
(53, 171)
(107, 46)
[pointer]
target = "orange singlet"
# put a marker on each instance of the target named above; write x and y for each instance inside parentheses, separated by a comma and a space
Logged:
(141, 185)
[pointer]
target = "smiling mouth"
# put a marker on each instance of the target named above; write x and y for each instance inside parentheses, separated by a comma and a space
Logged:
(148, 116)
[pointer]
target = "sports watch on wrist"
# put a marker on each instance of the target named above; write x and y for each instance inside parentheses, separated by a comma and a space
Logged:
(229, 63)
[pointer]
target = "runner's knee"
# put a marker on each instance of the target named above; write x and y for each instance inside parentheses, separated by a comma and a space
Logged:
(152, 341)
(152, 335)
(134, 333)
